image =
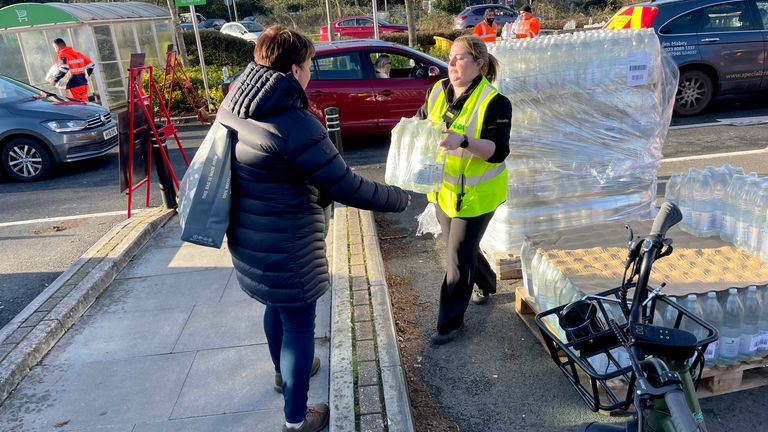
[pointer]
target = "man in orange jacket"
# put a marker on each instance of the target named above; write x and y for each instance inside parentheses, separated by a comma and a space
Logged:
(486, 30)
(530, 25)
(79, 66)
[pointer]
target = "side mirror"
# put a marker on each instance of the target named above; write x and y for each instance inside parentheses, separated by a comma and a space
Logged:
(433, 71)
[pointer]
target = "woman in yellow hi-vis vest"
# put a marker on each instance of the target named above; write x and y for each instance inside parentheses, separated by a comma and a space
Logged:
(477, 118)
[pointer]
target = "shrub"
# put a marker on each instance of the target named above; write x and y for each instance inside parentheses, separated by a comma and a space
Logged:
(219, 49)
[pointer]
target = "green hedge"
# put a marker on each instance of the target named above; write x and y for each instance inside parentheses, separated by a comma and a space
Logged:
(423, 39)
(179, 104)
(219, 49)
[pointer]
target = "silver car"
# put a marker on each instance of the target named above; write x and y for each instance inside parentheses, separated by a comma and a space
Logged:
(39, 129)
(473, 15)
(248, 30)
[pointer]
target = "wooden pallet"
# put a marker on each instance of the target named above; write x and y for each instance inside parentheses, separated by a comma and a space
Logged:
(717, 381)
(714, 381)
(506, 265)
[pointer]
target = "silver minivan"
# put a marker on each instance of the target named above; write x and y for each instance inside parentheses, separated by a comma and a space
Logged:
(39, 129)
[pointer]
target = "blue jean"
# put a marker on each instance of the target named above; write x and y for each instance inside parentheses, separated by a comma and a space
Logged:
(291, 338)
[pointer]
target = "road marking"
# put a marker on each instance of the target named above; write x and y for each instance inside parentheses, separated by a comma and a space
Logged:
(64, 218)
(715, 155)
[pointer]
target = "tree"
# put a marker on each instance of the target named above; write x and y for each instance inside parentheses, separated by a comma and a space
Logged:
(409, 10)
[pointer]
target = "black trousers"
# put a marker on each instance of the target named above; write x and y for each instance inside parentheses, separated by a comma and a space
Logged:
(465, 267)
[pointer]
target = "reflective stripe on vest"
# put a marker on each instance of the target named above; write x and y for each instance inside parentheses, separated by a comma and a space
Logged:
(481, 185)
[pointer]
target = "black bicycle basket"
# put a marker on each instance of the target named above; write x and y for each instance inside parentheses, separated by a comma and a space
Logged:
(590, 355)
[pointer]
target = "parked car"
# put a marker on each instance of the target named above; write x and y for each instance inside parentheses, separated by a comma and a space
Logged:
(473, 15)
(248, 30)
(39, 129)
(342, 76)
(359, 27)
(719, 46)
(213, 23)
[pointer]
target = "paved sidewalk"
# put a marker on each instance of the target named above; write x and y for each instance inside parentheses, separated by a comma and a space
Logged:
(173, 344)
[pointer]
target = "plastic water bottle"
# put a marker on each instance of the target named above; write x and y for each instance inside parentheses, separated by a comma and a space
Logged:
(712, 313)
(757, 224)
(728, 220)
(686, 199)
(744, 210)
(669, 316)
(753, 305)
(691, 304)
(721, 177)
(672, 191)
(730, 332)
(762, 325)
(703, 207)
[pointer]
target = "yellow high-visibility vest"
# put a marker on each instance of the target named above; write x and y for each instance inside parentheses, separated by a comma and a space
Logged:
(481, 185)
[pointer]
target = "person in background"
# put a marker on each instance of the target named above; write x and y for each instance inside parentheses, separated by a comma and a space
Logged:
(530, 25)
(478, 121)
(79, 67)
(284, 167)
(383, 66)
(486, 30)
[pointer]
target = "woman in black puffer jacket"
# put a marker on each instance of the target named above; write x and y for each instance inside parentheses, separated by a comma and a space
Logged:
(284, 168)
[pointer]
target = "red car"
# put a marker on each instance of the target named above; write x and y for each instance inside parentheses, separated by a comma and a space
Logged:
(359, 27)
(343, 76)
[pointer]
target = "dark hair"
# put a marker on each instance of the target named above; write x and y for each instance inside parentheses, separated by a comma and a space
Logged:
(279, 48)
(59, 42)
(479, 51)
(526, 8)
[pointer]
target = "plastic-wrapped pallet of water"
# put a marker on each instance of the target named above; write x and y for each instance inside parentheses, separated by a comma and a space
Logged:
(415, 161)
(590, 112)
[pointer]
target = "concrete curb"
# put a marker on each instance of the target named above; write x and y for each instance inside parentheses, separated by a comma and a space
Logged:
(365, 357)
(37, 328)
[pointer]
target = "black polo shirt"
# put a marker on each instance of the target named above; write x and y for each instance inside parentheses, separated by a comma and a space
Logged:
(496, 124)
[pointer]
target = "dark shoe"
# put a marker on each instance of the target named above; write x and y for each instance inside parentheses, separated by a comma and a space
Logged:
(441, 339)
(279, 376)
(315, 421)
(480, 297)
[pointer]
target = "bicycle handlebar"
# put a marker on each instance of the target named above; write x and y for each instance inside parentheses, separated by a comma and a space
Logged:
(669, 215)
(681, 415)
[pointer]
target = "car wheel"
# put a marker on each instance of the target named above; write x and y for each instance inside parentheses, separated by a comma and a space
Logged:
(26, 160)
(694, 93)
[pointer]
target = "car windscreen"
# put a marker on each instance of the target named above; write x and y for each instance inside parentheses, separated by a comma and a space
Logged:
(11, 89)
(252, 26)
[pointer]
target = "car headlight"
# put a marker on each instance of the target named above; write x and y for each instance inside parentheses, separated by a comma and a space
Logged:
(66, 125)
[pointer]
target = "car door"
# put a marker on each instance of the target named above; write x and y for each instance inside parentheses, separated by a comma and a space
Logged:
(762, 12)
(403, 93)
(346, 27)
(364, 28)
(338, 80)
(731, 39)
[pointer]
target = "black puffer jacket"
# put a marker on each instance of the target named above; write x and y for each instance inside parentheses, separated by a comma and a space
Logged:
(281, 163)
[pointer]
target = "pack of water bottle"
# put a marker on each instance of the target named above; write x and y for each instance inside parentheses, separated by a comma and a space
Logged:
(590, 112)
(740, 316)
(415, 161)
(723, 202)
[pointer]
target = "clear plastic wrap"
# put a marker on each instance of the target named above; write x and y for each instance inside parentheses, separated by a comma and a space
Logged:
(415, 161)
(428, 223)
(590, 113)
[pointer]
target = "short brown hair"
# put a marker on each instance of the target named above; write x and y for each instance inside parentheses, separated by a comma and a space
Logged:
(479, 51)
(279, 47)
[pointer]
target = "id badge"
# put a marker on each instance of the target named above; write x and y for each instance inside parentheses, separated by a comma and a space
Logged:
(450, 115)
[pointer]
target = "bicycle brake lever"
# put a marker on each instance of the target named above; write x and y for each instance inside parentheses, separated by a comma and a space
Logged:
(654, 292)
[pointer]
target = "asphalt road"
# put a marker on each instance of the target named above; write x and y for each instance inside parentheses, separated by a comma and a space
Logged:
(38, 245)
